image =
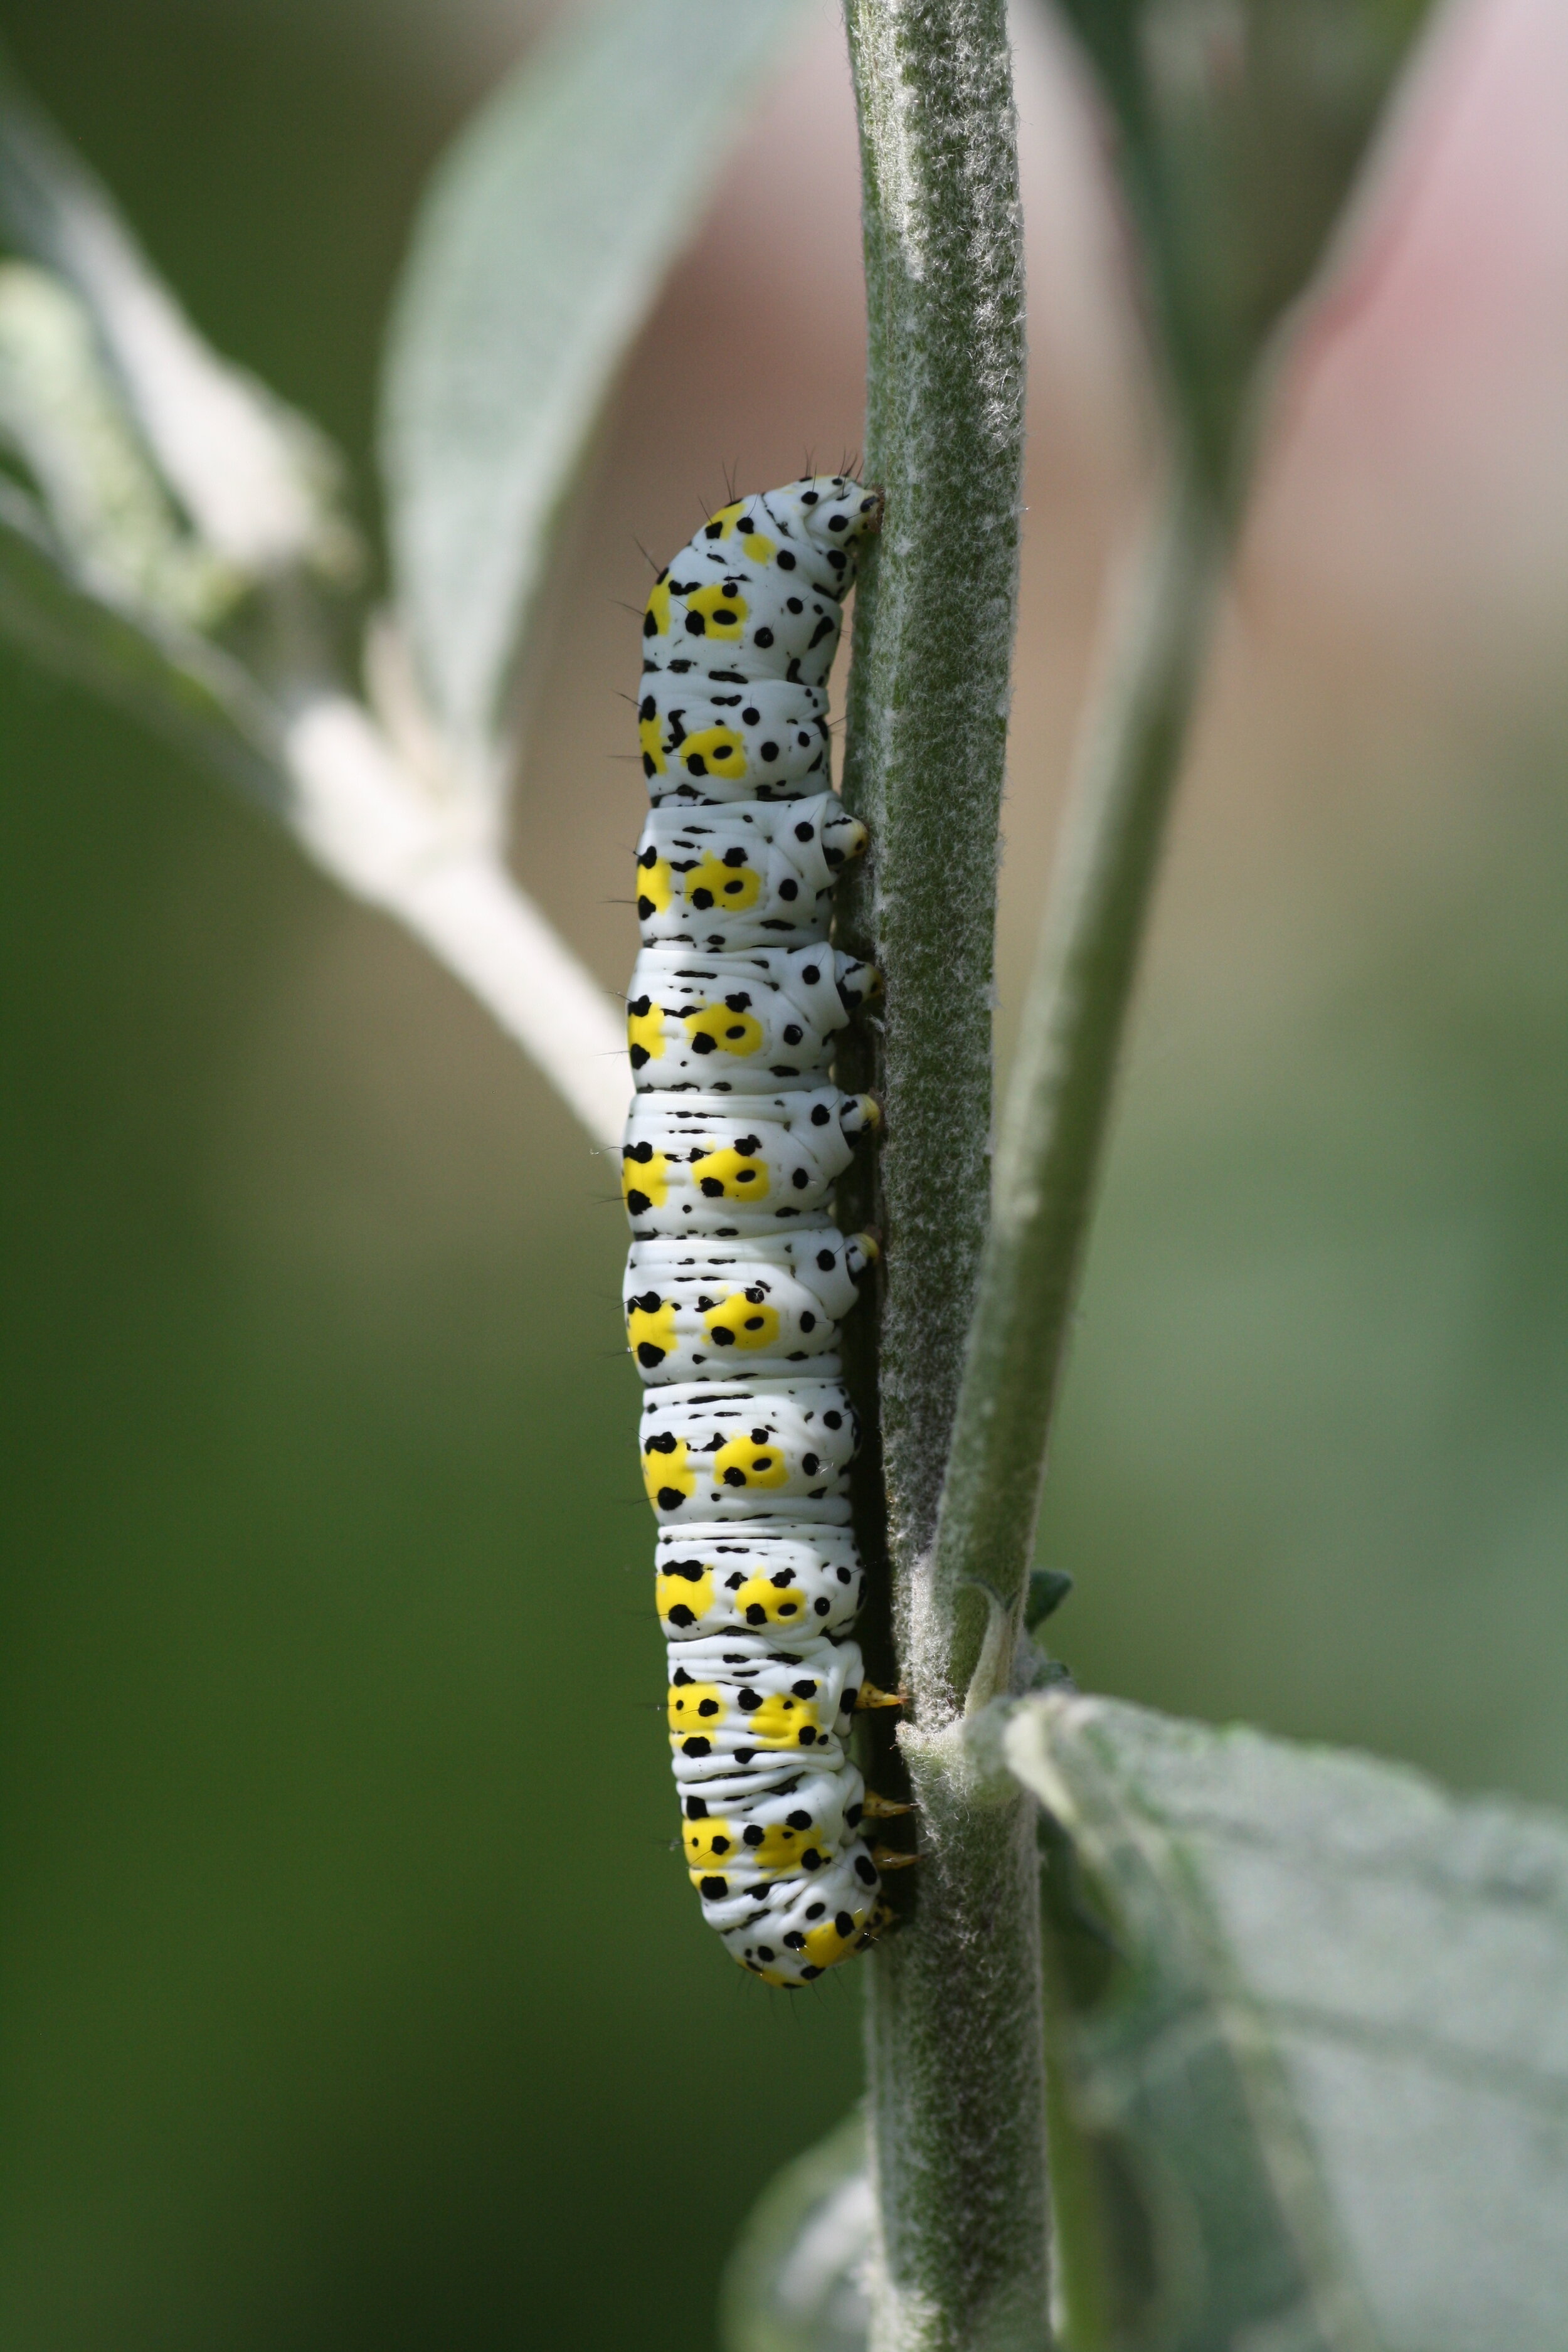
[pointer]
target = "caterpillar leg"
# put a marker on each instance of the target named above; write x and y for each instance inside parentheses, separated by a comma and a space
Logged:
(868, 1695)
(889, 1857)
(883, 1922)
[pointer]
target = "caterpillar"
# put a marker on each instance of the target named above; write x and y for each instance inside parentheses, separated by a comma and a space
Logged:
(737, 1278)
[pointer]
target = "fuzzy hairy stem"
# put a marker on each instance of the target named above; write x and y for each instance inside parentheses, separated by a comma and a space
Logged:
(954, 2040)
(1059, 1095)
(928, 694)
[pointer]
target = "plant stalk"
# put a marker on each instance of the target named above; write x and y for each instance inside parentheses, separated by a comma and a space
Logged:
(957, 2096)
(1059, 1094)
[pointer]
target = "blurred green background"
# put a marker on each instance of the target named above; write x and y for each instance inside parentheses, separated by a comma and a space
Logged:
(351, 1994)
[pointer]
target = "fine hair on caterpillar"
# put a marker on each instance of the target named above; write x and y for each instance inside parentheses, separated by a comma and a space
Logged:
(738, 1279)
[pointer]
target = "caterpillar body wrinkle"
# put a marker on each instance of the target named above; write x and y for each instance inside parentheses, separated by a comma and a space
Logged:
(738, 1279)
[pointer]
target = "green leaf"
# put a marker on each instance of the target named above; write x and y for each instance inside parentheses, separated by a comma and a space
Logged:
(793, 2282)
(260, 482)
(174, 680)
(1310, 2045)
(1048, 1588)
(537, 256)
(61, 417)
(1242, 125)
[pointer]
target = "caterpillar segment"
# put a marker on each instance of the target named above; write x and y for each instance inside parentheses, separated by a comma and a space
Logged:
(738, 1279)
(751, 1310)
(779, 1454)
(745, 876)
(703, 1164)
(739, 1023)
(725, 1578)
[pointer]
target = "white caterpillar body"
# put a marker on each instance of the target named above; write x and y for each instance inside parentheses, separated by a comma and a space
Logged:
(741, 1310)
(748, 876)
(720, 1578)
(704, 1163)
(739, 1023)
(738, 1279)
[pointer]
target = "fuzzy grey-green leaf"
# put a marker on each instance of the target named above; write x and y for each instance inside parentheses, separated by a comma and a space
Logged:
(1242, 124)
(1311, 2043)
(163, 674)
(61, 419)
(260, 483)
(537, 256)
(795, 2282)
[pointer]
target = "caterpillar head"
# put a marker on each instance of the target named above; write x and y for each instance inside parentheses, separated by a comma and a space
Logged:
(755, 594)
(833, 511)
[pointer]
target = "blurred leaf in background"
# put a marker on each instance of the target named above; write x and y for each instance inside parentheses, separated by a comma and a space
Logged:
(1311, 2069)
(1241, 125)
(796, 2280)
(61, 421)
(257, 481)
(1310, 1463)
(1309, 2059)
(1321, 1392)
(538, 253)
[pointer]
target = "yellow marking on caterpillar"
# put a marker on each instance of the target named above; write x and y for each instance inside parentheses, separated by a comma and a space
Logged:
(710, 1845)
(748, 1323)
(695, 1706)
(722, 608)
(656, 883)
(826, 1947)
(733, 887)
(782, 1719)
(649, 1177)
(667, 1474)
(753, 545)
(733, 1033)
(869, 1696)
(781, 1848)
(651, 735)
(646, 1030)
(757, 1462)
(654, 1329)
(693, 1592)
(781, 1604)
(741, 1176)
(713, 752)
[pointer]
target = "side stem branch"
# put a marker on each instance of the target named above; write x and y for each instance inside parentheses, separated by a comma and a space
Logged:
(1059, 1097)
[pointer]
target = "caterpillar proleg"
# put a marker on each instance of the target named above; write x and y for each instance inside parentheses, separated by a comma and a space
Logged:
(738, 1279)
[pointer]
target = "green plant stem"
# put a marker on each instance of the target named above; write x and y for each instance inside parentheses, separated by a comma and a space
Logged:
(928, 694)
(956, 2106)
(1059, 1099)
